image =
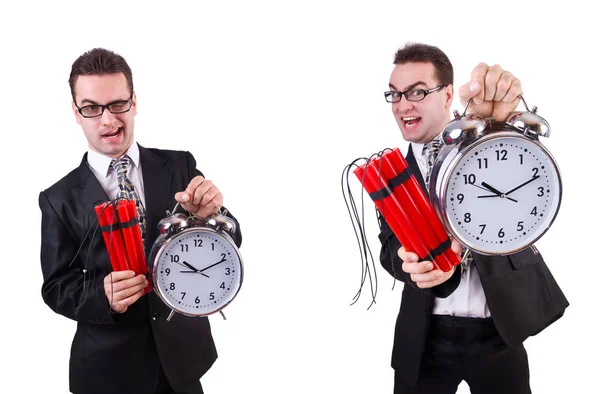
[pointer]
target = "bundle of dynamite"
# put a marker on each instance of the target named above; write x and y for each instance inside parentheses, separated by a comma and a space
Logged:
(405, 207)
(122, 235)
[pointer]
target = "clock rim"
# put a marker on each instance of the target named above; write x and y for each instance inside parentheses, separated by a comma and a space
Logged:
(167, 241)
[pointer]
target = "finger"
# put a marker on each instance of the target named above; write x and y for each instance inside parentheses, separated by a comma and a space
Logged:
(456, 247)
(122, 305)
(194, 184)
(130, 291)
(468, 91)
(407, 256)
(514, 91)
(205, 193)
(431, 276)
(503, 85)
(417, 268)
(491, 82)
(117, 276)
(115, 287)
(478, 75)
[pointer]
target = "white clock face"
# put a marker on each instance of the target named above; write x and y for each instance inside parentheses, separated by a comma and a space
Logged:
(198, 272)
(502, 194)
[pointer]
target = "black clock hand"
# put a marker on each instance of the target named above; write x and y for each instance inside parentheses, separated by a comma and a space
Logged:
(495, 191)
(193, 268)
(210, 266)
(495, 195)
(523, 184)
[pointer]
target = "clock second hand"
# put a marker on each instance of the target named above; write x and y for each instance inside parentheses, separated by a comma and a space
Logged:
(496, 193)
(185, 263)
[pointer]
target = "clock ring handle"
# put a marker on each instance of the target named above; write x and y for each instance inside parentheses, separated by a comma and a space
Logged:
(520, 96)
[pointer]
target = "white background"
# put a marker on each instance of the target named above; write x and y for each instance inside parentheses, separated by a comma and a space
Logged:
(274, 100)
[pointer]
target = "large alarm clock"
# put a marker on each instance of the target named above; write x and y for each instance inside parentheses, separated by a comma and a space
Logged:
(196, 267)
(496, 188)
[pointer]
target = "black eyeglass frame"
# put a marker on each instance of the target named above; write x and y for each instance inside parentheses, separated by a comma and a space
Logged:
(106, 106)
(389, 94)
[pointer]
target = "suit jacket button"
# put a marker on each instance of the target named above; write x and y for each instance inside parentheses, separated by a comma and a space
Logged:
(154, 316)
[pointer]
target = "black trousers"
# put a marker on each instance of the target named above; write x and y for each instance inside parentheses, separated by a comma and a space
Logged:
(469, 349)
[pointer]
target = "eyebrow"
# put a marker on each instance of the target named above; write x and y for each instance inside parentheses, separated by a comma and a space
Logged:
(409, 87)
(92, 102)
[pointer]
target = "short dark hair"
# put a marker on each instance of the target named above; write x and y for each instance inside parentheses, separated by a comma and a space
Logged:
(99, 61)
(423, 53)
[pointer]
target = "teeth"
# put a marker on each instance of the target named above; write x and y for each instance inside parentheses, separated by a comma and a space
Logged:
(410, 118)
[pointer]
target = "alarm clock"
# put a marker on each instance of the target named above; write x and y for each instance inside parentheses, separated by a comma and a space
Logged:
(495, 187)
(196, 267)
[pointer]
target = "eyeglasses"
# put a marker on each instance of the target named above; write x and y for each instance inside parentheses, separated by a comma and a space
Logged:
(411, 95)
(95, 110)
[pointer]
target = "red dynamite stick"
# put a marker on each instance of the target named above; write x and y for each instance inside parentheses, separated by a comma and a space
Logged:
(398, 161)
(390, 209)
(112, 237)
(124, 218)
(139, 261)
(408, 201)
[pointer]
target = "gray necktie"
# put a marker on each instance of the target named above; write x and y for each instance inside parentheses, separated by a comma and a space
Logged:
(127, 190)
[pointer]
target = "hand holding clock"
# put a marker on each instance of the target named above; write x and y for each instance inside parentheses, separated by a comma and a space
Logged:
(201, 198)
(495, 92)
(123, 288)
(423, 273)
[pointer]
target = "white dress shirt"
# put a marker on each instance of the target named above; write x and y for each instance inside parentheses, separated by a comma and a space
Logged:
(107, 176)
(468, 299)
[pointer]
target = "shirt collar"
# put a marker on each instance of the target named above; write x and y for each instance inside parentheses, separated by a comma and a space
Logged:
(101, 163)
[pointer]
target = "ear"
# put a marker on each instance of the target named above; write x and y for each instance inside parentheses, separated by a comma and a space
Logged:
(449, 95)
(76, 113)
(134, 104)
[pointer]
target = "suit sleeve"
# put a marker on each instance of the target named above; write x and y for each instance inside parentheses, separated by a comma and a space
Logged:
(69, 288)
(392, 263)
(193, 172)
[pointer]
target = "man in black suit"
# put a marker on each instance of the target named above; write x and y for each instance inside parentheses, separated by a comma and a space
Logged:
(123, 343)
(461, 325)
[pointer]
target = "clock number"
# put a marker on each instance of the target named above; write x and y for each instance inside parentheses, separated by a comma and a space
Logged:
(482, 228)
(198, 243)
(184, 248)
(227, 271)
(460, 198)
(501, 154)
(484, 161)
(541, 191)
(174, 258)
(222, 285)
(197, 300)
(172, 286)
(501, 233)
(519, 226)
(535, 171)
(521, 158)
(168, 271)
(213, 245)
(533, 211)
(467, 217)
(469, 179)
(212, 296)
(183, 295)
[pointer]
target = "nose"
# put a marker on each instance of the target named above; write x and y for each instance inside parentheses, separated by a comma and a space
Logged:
(402, 106)
(107, 117)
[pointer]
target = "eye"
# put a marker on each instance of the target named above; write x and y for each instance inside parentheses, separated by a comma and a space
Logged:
(119, 106)
(91, 110)
(416, 93)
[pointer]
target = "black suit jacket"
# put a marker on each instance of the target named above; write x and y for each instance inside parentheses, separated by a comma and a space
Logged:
(118, 353)
(522, 296)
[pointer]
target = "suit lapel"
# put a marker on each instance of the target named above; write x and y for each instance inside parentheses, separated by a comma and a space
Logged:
(91, 190)
(158, 190)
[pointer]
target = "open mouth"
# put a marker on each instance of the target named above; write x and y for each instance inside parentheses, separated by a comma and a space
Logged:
(411, 121)
(113, 134)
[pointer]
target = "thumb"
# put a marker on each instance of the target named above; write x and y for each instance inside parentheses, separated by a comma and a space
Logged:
(469, 90)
